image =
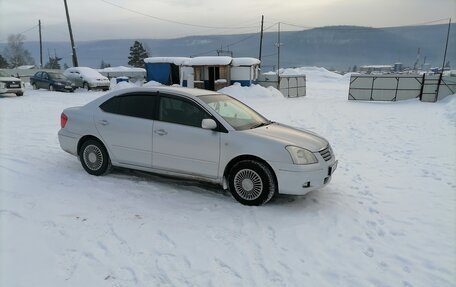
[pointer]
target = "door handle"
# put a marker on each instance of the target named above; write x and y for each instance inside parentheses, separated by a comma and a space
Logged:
(160, 132)
(103, 122)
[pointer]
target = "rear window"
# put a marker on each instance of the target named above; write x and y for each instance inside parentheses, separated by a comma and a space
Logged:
(137, 105)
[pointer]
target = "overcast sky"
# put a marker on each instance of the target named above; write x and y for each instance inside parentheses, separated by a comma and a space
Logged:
(102, 19)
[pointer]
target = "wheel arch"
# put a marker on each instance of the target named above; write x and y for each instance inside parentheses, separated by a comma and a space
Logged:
(243, 157)
(89, 137)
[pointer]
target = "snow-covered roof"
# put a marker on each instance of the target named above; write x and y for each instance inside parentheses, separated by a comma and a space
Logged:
(209, 61)
(204, 61)
(26, 67)
(245, 62)
(122, 69)
(377, 66)
(173, 60)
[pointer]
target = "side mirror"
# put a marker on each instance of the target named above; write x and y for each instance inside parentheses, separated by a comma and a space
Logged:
(208, 124)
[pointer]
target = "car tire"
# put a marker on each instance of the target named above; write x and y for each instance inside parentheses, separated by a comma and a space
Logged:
(34, 86)
(51, 88)
(94, 158)
(86, 86)
(19, 94)
(252, 182)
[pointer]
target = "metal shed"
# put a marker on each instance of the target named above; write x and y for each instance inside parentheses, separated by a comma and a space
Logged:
(165, 70)
(208, 72)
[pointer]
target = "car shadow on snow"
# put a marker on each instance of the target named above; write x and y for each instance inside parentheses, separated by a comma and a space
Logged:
(216, 191)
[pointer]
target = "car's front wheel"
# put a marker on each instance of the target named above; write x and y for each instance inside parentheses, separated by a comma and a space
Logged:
(94, 157)
(86, 86)
(252, 182)
(51, 88)
(34, 86)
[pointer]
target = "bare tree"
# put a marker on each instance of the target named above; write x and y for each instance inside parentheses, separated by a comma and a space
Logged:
(15, 53)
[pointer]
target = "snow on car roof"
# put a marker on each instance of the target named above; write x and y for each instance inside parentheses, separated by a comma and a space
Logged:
(89, 72)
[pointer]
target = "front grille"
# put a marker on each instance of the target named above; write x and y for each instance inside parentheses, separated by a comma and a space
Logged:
(326, 153)
(15, 84)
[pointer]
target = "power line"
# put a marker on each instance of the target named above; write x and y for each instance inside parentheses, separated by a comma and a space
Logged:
(171, 21)
(234, 43)
(23, 32)
(340, 27)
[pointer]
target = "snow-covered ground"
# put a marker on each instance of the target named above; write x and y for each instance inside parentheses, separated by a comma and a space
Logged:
(388, 218)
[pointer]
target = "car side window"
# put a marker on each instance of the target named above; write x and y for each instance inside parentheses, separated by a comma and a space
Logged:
(136, 105)
(181, 111)
(45, 76)
(39, 74)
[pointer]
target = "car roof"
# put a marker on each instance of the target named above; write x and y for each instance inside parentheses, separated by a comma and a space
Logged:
(189, 92)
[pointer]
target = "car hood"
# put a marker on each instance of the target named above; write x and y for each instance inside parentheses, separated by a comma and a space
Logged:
(9, 79)
(292, 136)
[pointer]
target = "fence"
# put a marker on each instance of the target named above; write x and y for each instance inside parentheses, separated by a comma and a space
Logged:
(291, 86)
(400, 87)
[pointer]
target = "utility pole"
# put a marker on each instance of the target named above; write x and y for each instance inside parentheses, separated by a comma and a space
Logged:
(41, 45)
(443, 64)
(278, 56)
(261, 38)
(73, 48)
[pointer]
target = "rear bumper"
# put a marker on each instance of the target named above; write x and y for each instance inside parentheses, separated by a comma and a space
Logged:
(68, 142)
(301, 179)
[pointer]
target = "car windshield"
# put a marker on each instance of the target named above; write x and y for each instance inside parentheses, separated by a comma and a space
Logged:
(237, 114)
(57, 76)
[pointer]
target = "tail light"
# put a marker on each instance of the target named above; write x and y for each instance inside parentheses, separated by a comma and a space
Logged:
(63, 120)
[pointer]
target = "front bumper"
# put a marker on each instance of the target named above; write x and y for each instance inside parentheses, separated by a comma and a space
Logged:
(11, 90)
(301, 179)
(101, 85)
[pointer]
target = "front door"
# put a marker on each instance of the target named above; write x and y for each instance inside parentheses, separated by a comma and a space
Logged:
(179, 142)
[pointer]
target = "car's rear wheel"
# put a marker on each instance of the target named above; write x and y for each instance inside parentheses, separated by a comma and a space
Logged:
(19, 94)
(252, 182)
(94, 157)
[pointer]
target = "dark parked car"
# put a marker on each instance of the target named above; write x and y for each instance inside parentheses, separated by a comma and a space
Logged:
(51, 81)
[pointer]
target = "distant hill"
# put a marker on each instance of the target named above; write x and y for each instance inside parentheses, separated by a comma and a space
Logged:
(338, 47)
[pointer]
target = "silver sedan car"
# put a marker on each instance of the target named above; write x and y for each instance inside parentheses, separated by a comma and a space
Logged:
(196, 134)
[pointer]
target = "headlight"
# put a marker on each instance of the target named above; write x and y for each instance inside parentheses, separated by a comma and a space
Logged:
(301, 155)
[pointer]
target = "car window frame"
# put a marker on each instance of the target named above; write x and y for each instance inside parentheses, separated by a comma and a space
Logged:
(146, 94)
(220, 127)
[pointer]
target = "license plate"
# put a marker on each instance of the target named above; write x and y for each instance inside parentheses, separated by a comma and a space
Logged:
(67, 87)
(14, 86)
(332, 168)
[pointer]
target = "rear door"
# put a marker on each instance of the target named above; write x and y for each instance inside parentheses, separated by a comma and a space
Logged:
(125, 124)
(46, 81)
(179, 142)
